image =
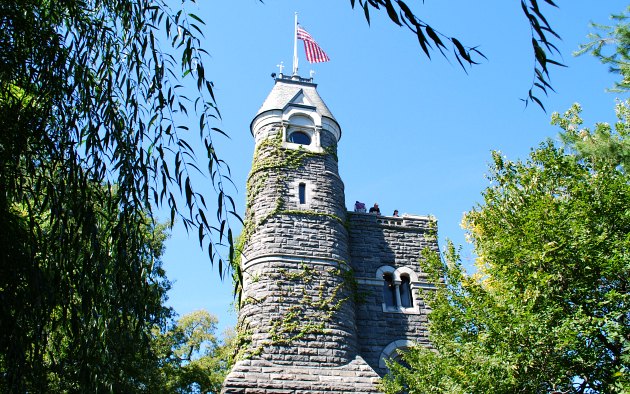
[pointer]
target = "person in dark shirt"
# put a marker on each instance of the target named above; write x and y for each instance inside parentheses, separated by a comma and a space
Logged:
(375, 209)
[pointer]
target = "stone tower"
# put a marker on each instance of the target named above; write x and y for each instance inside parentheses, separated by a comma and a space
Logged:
(308, 266)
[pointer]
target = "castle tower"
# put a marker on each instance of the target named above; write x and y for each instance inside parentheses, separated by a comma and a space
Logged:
(297, 326)
(327, 296)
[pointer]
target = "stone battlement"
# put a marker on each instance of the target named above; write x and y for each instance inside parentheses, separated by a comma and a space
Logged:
(406, 220)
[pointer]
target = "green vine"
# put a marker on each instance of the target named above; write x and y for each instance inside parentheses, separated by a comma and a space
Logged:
(243, 343)
(271, 156)
(271, 159)
(431, 232)
(296, 212)
(318, 303)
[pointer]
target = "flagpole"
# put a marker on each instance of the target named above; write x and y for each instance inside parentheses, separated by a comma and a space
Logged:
(295, 56)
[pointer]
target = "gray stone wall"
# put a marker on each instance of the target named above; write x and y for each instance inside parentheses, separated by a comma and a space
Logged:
(377, 241)
(304, 236)
(298, 306)
(270, 181)
(261, 377)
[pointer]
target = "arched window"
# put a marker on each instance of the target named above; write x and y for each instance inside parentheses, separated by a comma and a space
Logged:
(398, 289)
(299, 137)
(406, 300)
(392, 352)
(389, 290)
(398, 358)
(302, 193)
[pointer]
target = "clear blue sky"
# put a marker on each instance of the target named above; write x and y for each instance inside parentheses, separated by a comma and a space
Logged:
(417, 134)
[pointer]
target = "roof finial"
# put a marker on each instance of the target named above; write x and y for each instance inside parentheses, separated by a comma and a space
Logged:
(280, 66)
(312, 73)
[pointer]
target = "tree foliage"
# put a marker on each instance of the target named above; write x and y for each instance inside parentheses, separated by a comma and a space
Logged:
(549, 308)
(76, 309)
(611, 45)
(97, 87)
(93, 140)
(607, 148)
(193, 360)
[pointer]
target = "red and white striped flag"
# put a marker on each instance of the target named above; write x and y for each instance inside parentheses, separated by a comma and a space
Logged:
(314, 54)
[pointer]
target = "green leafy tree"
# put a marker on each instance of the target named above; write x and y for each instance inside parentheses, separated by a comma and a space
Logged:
(604, 146)
(78, 322)
(94, 139)
(549, 308)
(611, 45)
(193, 360)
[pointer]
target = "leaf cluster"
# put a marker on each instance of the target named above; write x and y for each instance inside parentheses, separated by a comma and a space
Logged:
(606, 147)
(95, 138)
(77, 309)
(192, 359)
(100, 84)
(429, 39)
(547, 310)
(611, 45)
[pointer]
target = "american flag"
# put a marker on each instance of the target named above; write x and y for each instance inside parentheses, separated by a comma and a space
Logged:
(314, 54)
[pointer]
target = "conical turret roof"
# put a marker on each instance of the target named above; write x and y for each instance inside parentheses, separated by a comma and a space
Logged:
(296, 91)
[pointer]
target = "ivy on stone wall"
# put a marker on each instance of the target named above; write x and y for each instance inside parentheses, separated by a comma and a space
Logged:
(318, 303)
(271, 157)
(270, 161)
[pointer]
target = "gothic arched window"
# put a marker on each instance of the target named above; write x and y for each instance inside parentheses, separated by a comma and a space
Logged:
(389, 290)
(406, 300)
(399, 285)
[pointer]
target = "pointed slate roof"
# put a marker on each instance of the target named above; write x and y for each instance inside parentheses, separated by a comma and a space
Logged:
(296, 91)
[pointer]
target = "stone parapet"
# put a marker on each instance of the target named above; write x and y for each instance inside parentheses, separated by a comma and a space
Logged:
(384, 240)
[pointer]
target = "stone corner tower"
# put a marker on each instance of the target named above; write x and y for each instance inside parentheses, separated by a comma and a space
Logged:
(306, 263)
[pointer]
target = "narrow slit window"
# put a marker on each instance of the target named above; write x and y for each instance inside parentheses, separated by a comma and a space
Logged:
(302, 193)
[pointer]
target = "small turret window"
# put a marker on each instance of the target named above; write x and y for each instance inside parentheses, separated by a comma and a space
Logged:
(298, 137)
(302, 193)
